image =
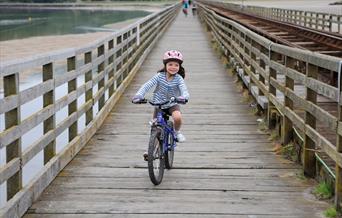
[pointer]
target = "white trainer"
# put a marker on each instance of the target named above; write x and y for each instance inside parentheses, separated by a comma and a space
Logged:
(180, 137)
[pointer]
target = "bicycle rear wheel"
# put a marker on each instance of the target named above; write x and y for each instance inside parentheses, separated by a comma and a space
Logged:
(156, 162)
(169, 153)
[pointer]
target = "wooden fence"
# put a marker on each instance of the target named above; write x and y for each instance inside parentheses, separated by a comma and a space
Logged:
(315, 20)
(288, 80)
(109, 64)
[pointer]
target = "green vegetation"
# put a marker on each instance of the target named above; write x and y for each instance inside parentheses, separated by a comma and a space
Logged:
(262, 125)
(289, 152)
(323, 191)
(300, 174)
(330, 212)
(273, 135)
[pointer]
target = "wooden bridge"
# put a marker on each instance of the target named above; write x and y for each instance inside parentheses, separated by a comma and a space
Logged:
(226, 168)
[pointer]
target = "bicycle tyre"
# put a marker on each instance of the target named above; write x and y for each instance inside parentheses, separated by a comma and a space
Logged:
(169, 153)
(156, 161)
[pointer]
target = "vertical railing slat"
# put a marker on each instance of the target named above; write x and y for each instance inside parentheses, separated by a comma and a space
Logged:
(111, 72)
(72, 107)
(287, 123)
(89, 93)
(50, 123)
(272, 90)
(12, 118)
(100, 69)
(338, 181)
(309, 164)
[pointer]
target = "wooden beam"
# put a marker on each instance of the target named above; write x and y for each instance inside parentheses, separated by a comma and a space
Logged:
(49, 123)
(13, 150)
(89, 93)
(309, 160)
(338, 182)
(287, 130)
(272, 90)
(72, 107)
(100, 69)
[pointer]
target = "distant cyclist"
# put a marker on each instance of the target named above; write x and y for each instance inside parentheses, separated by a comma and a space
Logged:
(168, 83)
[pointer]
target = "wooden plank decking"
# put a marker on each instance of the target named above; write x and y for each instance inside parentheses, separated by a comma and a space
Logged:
(226, 168)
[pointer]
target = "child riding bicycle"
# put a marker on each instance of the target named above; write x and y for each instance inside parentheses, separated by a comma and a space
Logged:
(168, 83)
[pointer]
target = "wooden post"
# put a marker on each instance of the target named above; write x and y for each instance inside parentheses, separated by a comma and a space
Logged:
(309, 160)
(260, 63)
(49, 123)
(13, 150)
(89, 93)
(72, 107)
(338, 181)
(111, 72)
(305, 19)
(286, 132)
(272, 91)
(261, 77)
(100, 68)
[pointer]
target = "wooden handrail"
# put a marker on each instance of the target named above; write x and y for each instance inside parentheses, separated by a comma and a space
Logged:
(275, 73)
(109, 63)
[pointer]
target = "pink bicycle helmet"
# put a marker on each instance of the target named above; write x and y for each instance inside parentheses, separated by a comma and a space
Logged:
(173, 55)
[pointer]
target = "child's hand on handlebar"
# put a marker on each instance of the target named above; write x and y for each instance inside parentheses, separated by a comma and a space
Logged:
(181, 100)
(137, 99)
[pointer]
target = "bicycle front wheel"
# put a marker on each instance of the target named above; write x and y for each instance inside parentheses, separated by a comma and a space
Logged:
(169, 153)
(156, 162)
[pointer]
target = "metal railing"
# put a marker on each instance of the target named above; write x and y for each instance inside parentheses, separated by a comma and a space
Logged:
(106, 66)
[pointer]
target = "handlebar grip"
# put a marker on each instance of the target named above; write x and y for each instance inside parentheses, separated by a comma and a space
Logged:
(142, 101)
(183, 101)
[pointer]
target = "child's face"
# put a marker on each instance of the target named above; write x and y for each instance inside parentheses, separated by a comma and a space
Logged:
(172, 67)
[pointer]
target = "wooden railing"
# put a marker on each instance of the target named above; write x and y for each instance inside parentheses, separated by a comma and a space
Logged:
(108, 64)
(315, 20)
(288, 80)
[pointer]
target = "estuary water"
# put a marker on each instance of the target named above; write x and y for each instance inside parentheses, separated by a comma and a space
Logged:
(27, 22)
(24, 23)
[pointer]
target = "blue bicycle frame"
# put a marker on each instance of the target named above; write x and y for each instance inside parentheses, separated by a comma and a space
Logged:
(166, 130)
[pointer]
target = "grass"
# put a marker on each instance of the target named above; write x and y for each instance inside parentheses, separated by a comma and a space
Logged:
(230, 71)
(323, 191)
(246, 97)
(330, 212)
(262, 126)
(300, 175)
(273, 136)
(289, 152)
(255, 110)
(228, 65)
(239, 85)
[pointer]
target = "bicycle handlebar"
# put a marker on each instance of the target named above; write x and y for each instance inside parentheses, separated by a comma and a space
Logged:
(173, 99)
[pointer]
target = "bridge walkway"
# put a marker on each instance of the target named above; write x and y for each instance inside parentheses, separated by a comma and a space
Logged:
(226, 168)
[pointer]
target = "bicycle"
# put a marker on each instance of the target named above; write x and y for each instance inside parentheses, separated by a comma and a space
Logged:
(162, 142)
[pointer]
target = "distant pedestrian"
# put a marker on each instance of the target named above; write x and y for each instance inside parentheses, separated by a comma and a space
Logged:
(194, 8)
(185, 7)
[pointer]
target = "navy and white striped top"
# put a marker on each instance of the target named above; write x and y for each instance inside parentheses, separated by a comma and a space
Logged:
(165, 89)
